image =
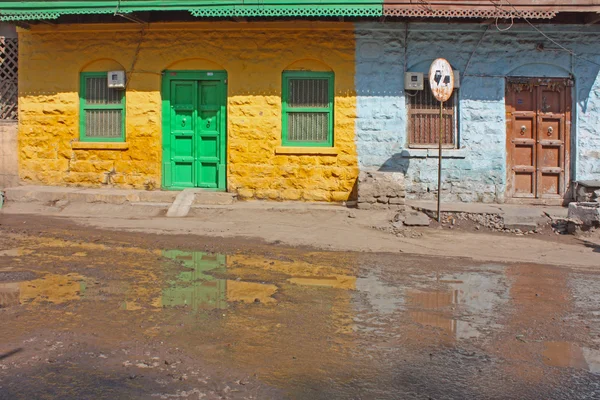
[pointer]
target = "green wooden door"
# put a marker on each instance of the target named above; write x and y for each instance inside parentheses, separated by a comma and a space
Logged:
(194, 130)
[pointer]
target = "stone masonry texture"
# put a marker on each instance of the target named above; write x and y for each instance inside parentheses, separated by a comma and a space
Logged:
(368, 59)
(381, 190)
(254, 56)
(8, 154)
(477, 170)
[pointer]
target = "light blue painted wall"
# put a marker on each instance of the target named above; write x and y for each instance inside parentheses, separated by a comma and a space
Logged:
(475, 172)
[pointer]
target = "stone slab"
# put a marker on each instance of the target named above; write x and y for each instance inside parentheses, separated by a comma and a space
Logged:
(213, 198)
(182, 204)
(557, 212)
(515, 223)
(587, 213)
(416, 219)
(475, 208)
(590, 183)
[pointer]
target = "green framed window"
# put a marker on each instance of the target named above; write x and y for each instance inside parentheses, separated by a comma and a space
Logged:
(101, 109)
(307, 107)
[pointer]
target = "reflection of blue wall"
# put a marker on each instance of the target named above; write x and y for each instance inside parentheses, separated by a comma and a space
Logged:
(475, 172)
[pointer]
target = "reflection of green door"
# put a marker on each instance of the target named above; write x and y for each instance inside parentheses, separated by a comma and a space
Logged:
(194, 129)
(195, 287)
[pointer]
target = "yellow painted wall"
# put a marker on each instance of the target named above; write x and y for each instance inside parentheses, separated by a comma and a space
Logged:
(254, 56)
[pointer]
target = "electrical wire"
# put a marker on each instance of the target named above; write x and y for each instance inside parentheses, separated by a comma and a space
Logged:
(135, 56)
(512, 22)
(476, 47)
(519, 14)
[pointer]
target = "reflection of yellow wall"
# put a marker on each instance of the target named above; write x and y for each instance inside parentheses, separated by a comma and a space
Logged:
(248, 292)
(52, 288)
(9, 294)
(253, 54)
(301, 273)
(337, 281)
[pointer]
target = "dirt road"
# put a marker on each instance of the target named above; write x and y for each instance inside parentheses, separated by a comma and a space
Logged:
(148, 309)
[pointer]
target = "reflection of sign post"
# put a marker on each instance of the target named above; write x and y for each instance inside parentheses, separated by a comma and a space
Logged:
(441, 80)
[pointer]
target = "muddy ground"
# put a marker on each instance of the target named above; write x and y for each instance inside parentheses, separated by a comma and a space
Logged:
(115, 313)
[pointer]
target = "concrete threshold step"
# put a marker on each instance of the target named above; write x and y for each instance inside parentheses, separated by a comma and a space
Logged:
(471, 208)
(189, 197)
(51, 194)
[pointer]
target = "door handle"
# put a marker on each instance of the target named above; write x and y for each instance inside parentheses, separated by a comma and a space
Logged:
(183, 122)
(523, 129)
(208, 124)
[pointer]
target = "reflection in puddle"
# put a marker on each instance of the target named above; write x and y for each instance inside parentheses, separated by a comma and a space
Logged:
(338, 282)
(199, 290)
(569, 355)
(477, 294)
(50, 288)
(15, 252)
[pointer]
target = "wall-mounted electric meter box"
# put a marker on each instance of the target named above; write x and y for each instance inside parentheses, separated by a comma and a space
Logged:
(116, 79)
(456, 79)
(413, 81)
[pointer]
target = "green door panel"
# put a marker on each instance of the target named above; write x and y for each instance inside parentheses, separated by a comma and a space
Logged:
(183, 113)
(209, 136)
(194, 137)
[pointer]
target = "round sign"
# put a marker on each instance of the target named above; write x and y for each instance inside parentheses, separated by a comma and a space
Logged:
(441, 79)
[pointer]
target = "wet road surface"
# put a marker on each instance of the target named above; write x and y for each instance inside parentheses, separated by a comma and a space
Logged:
(121, 319)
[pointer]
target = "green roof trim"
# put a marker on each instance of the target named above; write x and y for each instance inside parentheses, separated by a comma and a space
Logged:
(13, 10)
(289, 10)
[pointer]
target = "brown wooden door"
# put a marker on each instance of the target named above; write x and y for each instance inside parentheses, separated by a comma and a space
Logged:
(538, 115)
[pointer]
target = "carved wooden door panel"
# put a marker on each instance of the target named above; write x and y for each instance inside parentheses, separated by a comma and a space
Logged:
(538, 127)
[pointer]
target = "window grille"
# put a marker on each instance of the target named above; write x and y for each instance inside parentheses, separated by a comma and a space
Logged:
(102, 109)
(9, 65)
(307, 109)
(424, 119)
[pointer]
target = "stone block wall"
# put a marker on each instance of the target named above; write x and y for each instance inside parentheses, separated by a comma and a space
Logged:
(380, 190)
(587, 191)
(9, 176)
(368, 59)
(254, 57)
(476, 169)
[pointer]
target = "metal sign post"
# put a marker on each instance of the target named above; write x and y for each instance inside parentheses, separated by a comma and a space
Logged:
(441, 80)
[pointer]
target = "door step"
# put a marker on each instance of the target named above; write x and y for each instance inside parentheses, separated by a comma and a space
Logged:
(204, 197)
(188, 197)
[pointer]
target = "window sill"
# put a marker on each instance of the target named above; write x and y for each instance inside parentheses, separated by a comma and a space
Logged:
(99, 145)
(317, 151)
(433, 153)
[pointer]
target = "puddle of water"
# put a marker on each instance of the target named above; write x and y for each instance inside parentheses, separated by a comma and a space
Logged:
(9, 294)
(569, 355)
(330, 324)
(51, 288)
(439, 300)
(199, 290)
(475, 294)
(338, 282)
(15, 252)
(197, 287)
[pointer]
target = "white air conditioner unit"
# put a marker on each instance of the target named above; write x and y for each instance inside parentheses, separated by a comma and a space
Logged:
(116, 79)
(413, 81)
